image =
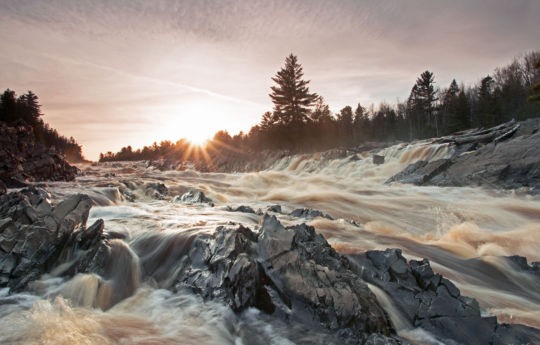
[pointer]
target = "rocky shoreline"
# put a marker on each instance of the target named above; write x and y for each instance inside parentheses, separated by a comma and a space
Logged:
(502, 157)
(23, 159)
(288, 272)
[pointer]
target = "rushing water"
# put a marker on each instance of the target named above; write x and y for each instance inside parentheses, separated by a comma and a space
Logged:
(447, 225)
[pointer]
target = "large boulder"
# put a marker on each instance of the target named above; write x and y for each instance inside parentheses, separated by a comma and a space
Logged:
(290, 272)
(35, 236)
(427, 300)
(309, 213)
(194, 197)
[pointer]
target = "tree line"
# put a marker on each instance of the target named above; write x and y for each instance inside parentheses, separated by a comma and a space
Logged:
(301, 121)
(26, 110)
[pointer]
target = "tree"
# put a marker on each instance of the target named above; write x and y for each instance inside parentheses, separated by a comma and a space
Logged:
(291, 97)
(426, 96)
(30, 109)
(455, 110)
(8, 106)
(360, 123)
(487, 102)
(535, 98)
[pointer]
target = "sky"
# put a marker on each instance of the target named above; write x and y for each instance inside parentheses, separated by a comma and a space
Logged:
(131, 72)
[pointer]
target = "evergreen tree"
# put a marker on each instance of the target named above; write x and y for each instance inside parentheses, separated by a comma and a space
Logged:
(345, 124)
(451, 118)
(291, 97)
(535, 98)
(8, 106)
(30, 109)
(360, 123)
(414, 112)
(486, 107)
(426, 96)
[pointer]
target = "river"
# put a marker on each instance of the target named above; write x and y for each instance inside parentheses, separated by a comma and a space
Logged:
(450, 226)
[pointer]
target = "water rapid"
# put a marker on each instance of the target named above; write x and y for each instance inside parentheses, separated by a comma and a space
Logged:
(462, 231)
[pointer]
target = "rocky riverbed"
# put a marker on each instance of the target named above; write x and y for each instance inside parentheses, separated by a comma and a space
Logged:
(290, 273)
(315, 249)
(504, 157)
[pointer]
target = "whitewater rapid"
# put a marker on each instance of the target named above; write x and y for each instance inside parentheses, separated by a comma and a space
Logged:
(450, 226)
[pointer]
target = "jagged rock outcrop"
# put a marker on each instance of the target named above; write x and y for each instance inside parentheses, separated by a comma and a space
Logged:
(194, 197)
(309, 213)
(156, 190)
(428, 300)
(242, 209)
(35, 236)
(505, 156)
(274, 208)
(23, 158)
(290, 272)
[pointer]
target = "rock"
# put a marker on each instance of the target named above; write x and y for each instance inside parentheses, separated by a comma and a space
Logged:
(378, 159)
(515, 334)
(287, 272)
(35, 237)
(25, 159)
(3, 188)
(427, 300)
(241, 208)
(156, 190)
(194, 197)
(508, 160)
(421, 172)
(274, 208)
(309, 213)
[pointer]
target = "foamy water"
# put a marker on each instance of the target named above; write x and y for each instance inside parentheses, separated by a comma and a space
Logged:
(450, 226)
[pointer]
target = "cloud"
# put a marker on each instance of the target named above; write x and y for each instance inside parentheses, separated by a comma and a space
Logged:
(94, 62)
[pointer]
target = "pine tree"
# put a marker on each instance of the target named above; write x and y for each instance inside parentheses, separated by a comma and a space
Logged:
(487, 102)
(291, 97)
(345, 123)
(535, 88)
(426, 96)
(30, 108)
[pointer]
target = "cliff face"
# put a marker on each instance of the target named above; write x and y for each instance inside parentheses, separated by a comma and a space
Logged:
(23, 158)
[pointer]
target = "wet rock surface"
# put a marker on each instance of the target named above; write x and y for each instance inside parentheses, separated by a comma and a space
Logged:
(194, 197)
(504, 157)
(426, 299)
(23, 158)
(309, 213)
(289, 273)
(36, 237)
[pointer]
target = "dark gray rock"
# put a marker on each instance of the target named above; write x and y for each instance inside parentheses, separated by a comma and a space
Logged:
(35, 237)
(242, 208)
(515, 334)
(427, 300)
(507, 162)
(23, 158)
(194, 197)
(309, 213)
(3, 188)
(292, 273)
(421, 172)
(156, 190)
(378, 159)
(274, 208)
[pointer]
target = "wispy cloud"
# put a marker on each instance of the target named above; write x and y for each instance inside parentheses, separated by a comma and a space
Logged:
(94, 61)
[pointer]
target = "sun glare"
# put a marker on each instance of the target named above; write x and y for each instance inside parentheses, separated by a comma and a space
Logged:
(197, 138)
